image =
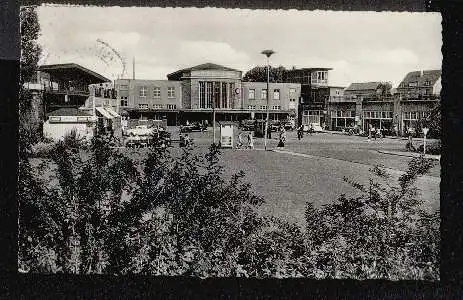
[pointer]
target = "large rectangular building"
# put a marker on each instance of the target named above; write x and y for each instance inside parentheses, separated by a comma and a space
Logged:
(150, 99)
(193, 94)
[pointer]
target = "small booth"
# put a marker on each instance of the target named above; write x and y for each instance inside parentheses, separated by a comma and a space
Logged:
(227, 134)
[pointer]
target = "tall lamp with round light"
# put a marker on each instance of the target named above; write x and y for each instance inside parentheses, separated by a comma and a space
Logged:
(425, 132)
(267, 53)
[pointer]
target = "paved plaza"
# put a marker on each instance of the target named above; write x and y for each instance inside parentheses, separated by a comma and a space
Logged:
(312, 169)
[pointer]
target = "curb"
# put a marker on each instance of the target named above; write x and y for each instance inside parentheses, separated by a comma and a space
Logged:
(434, 157)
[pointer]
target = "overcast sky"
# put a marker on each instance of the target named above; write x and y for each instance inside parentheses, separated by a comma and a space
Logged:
(359, 46)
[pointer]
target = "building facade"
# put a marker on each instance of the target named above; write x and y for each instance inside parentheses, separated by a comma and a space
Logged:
(282, 101)
(315, 93)
(372, 104)
(193, 94)
(418, 94)
(149, 99)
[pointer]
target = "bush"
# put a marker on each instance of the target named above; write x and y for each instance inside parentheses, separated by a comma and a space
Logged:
(378, 234)
(105, 213)
(433, 148)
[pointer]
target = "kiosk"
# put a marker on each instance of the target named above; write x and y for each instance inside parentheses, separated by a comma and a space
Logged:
(226, 135)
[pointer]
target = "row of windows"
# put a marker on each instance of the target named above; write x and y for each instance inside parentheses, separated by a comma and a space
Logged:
(276, 94)
(377, 114)
(343, 114)
(157, 92)
(415, 84)
(414, 115)
(313, 112)
(264, 107)
(221, 93)
(157, 106)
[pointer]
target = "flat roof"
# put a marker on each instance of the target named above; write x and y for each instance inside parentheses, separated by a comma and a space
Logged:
(310, 69)
(72, 70)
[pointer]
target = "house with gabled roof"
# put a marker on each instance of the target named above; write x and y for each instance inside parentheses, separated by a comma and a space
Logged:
(420, 84)
(419, 96)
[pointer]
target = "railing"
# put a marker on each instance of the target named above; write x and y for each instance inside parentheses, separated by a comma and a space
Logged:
(70, 90)
(420, 97)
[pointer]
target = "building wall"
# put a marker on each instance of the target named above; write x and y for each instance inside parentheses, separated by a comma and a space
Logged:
(132, 89)
(286, 101)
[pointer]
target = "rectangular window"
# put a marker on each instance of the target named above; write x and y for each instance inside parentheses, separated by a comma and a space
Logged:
(123, 87)
(339, 113)
(276, 94)
(171, 106)
(414, 115)
(157, 92)
(216, 94)
(143, 106)
(157, 106)
(252, 107)
(202, 94)
(123, 102)
(263, 94)
(263, 107)
(292, 93)
(170, 92)
(224, 95)
(252, 94)
(276, 107)
(209, 94)
(143, 91)
(413, 84)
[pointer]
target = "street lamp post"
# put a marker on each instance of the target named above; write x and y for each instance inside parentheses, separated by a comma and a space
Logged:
(425, 131)
(267, 53)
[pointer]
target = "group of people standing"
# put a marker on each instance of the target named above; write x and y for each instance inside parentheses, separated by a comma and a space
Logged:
(250, 141)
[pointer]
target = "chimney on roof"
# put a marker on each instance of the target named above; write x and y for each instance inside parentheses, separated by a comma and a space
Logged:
(133, 70)
(421, 73)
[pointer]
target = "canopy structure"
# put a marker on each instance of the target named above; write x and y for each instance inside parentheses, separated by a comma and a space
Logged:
(72, 72)
(105, 112)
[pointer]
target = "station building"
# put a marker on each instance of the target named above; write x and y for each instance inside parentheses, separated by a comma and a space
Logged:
(190, 94)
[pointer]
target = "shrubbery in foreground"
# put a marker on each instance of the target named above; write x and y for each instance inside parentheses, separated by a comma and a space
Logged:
(104, 213)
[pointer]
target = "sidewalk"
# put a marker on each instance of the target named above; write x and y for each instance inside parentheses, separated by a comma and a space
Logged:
(409, 154)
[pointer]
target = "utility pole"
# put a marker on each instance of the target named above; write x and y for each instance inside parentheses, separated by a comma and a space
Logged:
(213, 112)
(267, 53)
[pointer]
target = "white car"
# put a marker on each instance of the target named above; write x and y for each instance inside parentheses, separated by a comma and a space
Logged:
(316, 127)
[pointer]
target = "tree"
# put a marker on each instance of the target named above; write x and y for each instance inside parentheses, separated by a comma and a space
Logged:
(259, 74)
(30, 54)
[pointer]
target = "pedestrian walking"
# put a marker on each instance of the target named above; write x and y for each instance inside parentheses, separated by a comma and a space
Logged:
(300, 132)
(239, 145)
(250, 141)
(373, 132)
(187, 140)
(281, 143)
(311, 129)
(269, 131)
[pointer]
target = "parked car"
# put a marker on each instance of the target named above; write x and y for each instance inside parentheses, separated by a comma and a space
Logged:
(289, 125)
(274, 125)
(196, 126)
(247, 125)
(315, 126)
